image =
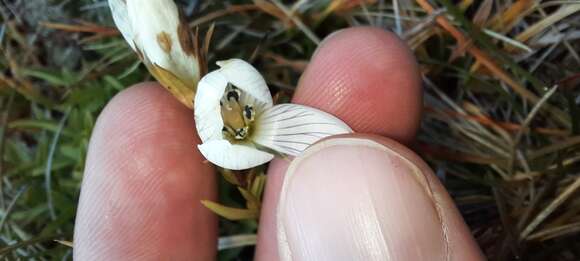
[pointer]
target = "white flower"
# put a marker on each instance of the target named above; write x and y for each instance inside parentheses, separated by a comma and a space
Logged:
(155, 31)
(240, 127)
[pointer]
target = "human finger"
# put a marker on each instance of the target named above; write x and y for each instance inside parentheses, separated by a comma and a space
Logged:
(366, 197)
(368, 78)
(143, 182)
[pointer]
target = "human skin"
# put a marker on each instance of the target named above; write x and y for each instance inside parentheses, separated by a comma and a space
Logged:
(144, 178)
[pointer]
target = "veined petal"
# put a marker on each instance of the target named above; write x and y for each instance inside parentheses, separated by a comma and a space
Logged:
(121, 18)
(207, 109)
(244, 76)
(233, 156)
(291, 128)
(164, 40)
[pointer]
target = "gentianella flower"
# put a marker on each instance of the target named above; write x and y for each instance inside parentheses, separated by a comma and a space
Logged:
(156, 31)
(239, 126)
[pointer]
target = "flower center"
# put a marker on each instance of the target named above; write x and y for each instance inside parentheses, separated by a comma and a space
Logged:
(237, 116)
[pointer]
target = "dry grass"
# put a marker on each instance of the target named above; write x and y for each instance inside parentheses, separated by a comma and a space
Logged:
(501, 125)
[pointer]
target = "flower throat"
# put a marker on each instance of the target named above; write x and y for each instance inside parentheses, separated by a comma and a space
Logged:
(237, 116)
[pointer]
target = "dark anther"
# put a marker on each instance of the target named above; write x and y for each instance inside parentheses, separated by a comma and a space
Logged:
(233, 94)
(240, 133)
(224, 129)
(248, 111)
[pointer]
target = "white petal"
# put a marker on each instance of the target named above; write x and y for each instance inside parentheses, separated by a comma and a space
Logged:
(156, 23)
(291, 128)
(207, 109)
(244, 76)
(233, 156)
(121, 18)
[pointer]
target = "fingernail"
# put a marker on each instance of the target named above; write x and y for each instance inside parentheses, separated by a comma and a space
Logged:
(356, 199)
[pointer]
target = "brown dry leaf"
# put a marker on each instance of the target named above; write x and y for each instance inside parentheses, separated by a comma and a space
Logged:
(554, 232)
(479, 19)
(273, 10)
(542, 25)
(340, 6)
(84, 28)
(178, 88)
(296, 65)
(506, 20)
(459, 51)
(65, 243)
(465, 4)
(232, 9)
(483, 12)
(548, 210)
(442, 153)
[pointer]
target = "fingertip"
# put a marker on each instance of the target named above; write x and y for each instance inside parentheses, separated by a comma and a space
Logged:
(267, 247)
(143, 182)
(369, 78)
(380, 202)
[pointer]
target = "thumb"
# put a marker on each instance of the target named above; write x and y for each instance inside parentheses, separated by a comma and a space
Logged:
(366, 77)
(368, 198)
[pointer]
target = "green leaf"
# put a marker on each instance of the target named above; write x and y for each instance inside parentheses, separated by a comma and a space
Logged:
(229, 212)
(38, 124)
(257, 186)
(53, 78)
(114, 82)
(71, 151)
(252, 202)
(230, 177)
